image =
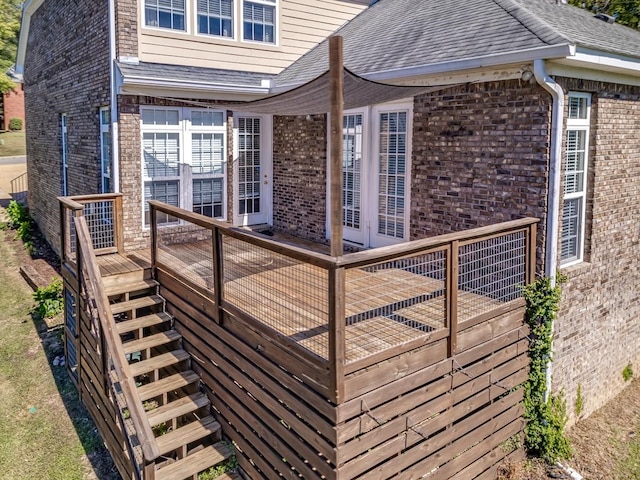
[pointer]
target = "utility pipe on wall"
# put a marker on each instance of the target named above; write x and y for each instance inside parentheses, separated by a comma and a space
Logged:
(555, 172)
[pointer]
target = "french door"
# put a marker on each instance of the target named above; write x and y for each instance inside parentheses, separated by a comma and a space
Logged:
(252, 169)
(375, 172)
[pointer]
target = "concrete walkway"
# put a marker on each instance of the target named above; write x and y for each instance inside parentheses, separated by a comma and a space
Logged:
(10, 168)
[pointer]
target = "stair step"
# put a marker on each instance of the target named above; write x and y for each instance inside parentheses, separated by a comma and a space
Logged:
(187, 434)
(168, 384)
(127, 326)
(136, 303)
(177, 408)
(196, 462)
(131, 286)
(151, 341)
(157, 362)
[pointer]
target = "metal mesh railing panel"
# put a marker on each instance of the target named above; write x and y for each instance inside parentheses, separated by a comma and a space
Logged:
(491, 272)
(188, 251)
(394, 302)
(289, 296)
(101, 222)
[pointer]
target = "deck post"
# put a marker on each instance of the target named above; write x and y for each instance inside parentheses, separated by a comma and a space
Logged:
(79, 302)
(63, 233)
(452, 297)
(337, 333)
(154, 240)
(531, 260)
(218, 272)
(336, 73)
(118, 223)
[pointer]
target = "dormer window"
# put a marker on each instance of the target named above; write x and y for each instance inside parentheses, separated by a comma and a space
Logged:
(165, 14)
(259, 21)
(215, 17)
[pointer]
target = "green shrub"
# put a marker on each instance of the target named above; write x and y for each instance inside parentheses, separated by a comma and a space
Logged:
(49, 301)
(15, 124)
(546, 415)
(627, 373)
(17, 214)
(579, 405)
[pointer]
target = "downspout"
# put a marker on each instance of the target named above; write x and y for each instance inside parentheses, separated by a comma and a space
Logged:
(113, 91)
(555, 172)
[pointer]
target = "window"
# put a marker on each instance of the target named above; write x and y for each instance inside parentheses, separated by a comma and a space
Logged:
(184, 160)
(259, 21)
(165, 14)
(575, 179)
(352, 170)
(392, 173)
(376, 153)
(215, 17)
(65, 154)
(105, 150)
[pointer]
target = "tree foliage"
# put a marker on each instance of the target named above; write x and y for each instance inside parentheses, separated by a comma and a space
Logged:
(626, 12)
(10, 14)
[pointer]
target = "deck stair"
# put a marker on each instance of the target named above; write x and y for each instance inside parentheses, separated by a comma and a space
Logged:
(188, 437)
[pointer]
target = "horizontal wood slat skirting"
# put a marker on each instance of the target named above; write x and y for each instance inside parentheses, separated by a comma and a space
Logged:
(406, 416)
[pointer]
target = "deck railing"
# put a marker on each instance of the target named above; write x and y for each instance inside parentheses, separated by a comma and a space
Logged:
(343, 314)
(119, 383)
(103, 215)
(19, 188)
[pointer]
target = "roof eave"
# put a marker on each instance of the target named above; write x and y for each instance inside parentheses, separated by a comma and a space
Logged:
(506, 58)
(28, 9)
(604, 61)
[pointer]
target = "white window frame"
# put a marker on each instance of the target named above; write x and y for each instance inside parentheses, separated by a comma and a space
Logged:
(234, 23)
(275, 4)
(105, 147)
(369, 179)
(580, 125)
(187, 16)
(64, 134)
(185, 177)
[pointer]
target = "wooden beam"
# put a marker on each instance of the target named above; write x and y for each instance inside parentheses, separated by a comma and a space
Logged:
(336, 73)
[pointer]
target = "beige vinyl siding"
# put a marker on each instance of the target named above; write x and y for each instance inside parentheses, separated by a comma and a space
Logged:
(301, 24)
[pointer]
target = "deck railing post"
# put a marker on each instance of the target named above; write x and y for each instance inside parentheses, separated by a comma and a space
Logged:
(79, 302)
(218, 272)
(154, 240)
(118, 233)
(63, 233)
(337, 347)
(532, 234)
(452, 297)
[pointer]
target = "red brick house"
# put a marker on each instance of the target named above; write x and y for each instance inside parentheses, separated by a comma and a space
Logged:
(12, 106)
(525, 108)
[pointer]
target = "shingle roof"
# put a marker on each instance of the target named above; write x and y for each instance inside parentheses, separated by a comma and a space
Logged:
(187, 74)
(393, 34)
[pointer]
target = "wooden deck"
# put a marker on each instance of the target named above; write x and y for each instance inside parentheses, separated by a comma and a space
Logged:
(384, 308)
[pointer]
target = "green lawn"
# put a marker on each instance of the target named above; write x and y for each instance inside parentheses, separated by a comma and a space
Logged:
(12, 144)
(44, 429)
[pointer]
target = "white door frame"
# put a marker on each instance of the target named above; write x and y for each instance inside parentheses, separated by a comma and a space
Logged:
(368, 236)
(266, 172)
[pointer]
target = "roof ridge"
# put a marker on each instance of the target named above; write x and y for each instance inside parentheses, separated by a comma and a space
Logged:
(532, 22)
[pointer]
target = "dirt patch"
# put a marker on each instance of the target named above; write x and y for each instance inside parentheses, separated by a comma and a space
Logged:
(606, 445)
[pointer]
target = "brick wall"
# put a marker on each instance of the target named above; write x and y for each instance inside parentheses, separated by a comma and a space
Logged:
(13, 106)
(127, 28)
(480, 156)
(300, 176)
(598, 329)
(66, 71)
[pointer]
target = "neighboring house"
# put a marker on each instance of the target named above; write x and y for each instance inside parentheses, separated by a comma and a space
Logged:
(536, 113)
(12, 102)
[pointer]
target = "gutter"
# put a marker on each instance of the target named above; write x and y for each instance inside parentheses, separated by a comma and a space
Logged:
(195, 86)
(516, 56)
(555, 172)
(113, 93)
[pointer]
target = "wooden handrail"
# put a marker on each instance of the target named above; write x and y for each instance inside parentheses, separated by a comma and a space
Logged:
(70, 203)
(297, 253)
(383, 254)
(114, 345)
